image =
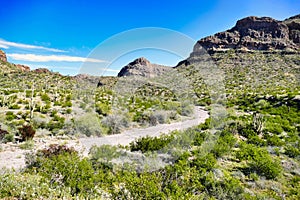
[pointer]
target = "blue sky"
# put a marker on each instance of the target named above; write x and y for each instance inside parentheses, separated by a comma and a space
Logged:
(59, 35)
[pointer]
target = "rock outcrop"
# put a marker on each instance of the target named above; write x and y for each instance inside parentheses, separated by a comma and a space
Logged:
(143, 67)
(42, 71)
(23, 68)
(3, 56)
(255, 33)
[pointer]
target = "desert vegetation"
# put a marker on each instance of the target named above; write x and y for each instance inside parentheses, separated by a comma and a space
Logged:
(255, 154)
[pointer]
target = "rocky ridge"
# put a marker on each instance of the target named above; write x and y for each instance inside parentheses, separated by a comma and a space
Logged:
(143, 67)
(251, 34)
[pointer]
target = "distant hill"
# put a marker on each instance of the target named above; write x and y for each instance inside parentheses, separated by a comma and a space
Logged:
(143, 67)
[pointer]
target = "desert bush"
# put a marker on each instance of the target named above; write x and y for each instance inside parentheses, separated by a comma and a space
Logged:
(89, 125)
(115, 123)
(223, 144)
(102, 109)
(2, 133)
(45, 97)
(39, 122)
(256, 140)
(10, 116)
(14, 106)
(63, 168)
(186, 110)
(54, 150)
(27, 145)
(26, 132)
(8, 138)
(161, 116)
(100, 156)
(148, 143)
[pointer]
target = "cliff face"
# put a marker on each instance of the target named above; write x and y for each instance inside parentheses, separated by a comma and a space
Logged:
(249, 35)
(255, 33)
(143, 67)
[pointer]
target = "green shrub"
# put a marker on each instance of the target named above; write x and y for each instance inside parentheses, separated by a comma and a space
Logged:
(45, 97)
(292, 151)
(148, 143)
(224, 144)
(204, 163)
(27, 145)
(10, 116)
(115, 123)
(14, 106)
(68, 170)
(8, 138)
(88, 125)
(259, 160)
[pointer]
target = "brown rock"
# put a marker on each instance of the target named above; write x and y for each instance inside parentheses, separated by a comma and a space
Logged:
(23, 68)
(3, 56)
(42, 70)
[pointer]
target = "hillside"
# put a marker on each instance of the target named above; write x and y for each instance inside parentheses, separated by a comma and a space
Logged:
(246, 77)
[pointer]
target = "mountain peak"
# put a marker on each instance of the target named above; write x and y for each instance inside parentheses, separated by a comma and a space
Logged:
(143, 67)
(140, 61)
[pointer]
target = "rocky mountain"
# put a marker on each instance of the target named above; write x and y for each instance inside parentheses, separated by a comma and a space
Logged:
(251, 34)
(143, 67)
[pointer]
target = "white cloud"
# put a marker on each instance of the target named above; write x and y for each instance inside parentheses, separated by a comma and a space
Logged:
(48, 58)
(3, 46)
(8, 44)
(110, 70)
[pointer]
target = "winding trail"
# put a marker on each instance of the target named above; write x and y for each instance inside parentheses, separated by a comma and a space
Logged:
(12, 156)
(200, 115)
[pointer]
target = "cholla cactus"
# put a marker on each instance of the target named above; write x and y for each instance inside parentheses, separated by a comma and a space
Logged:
(258, 122)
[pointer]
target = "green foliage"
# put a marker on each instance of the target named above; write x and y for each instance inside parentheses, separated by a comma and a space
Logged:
(10, 137)
(204, 163)
(224, 144)
(292, 151)
(27, 145)
(148, 143)
(259, 160)
(10, 116)
(45, 97)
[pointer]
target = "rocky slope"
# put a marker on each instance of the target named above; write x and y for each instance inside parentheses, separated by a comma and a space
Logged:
(143, 67)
